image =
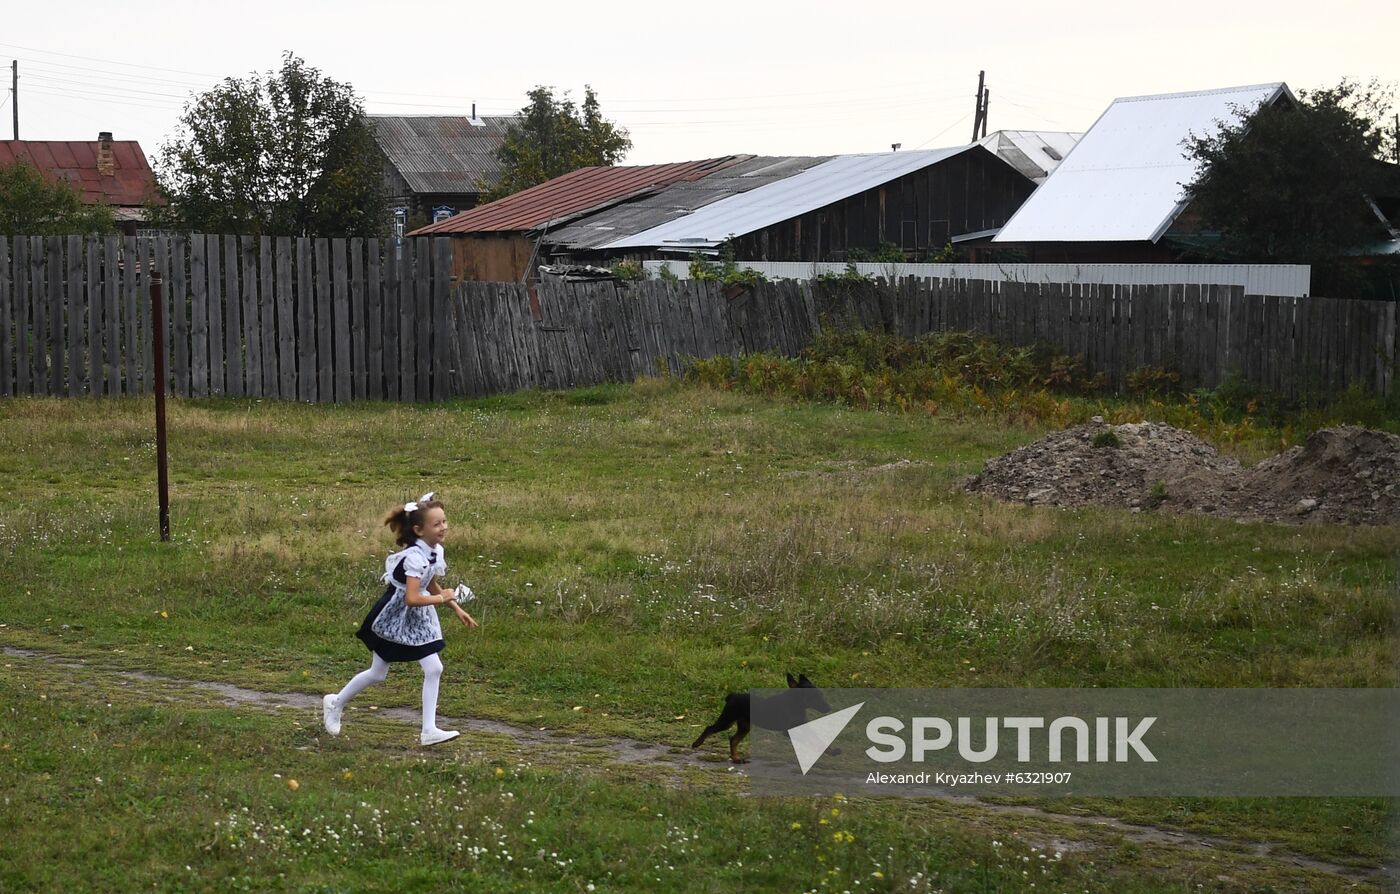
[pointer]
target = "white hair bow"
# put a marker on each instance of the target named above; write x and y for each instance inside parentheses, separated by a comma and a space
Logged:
(412, 505)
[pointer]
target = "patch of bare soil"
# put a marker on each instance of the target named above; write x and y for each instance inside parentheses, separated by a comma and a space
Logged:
(1345, 475)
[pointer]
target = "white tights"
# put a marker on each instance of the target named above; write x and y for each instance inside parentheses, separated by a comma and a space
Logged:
(379, 670)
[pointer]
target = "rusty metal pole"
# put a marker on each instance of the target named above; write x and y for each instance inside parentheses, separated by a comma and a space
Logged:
(158, 339)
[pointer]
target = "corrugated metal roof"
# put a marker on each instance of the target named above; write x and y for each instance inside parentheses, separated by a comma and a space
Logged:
(1034, 153)
(670, 202)
(1123, 181)
(558, 200)
(816, 187)
(442, 153)
(131, 184)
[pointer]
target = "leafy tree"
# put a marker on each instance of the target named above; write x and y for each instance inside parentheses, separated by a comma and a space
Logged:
(287, 153)
(555, 137)
(1289, 182)
(32, 206)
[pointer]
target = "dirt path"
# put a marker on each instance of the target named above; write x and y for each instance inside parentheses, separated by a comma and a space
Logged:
(632, 751)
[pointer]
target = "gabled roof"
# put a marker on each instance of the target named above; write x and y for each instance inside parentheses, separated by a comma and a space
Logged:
(634, 215)
(1034, 153)
(1125, 179)
(131, 184)
(561, 199)
(442, 153)
(819, 186)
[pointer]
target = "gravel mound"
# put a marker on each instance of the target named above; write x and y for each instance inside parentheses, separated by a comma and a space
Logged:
(1345, 475)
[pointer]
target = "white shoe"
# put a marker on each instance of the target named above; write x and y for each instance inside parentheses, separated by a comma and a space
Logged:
(434, 736)
(330, 715)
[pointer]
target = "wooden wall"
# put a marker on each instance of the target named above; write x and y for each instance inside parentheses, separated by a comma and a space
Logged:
(972, 191)
(491, 257)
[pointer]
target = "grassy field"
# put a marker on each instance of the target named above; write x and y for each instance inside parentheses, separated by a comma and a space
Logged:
(638, 551)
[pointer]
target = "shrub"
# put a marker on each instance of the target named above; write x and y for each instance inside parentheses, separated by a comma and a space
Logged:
(629, 271)
(1107, 439)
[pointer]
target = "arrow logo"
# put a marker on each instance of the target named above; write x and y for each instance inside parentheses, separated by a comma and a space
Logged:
(811, 739)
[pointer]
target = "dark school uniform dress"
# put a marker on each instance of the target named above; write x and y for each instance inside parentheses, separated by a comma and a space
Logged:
(395, 630)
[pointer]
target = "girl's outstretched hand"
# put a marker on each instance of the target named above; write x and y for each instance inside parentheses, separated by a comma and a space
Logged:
(465, 618)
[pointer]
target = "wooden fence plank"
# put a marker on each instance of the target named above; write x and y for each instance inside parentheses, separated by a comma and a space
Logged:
(1209, 348)
(53, 316)
(306, 322)
(146, 340)
(282, 254)
(267, 318)
(457, 316)
(199, 316)
(160, 263)
(74, 321)
(7, 339)
(19, 312)
(393, 317)
(233, 320)
(374, 324)
(441, 356)
(179, 316)
(340, 320)
(358, 370)
(91, 299)
(324, 302)
(408, 330)
(252, 321)
(38, 316)
(1389, 343)
(471, 348)
(479, 302)
(422, 319)
(218, 347)
(515, 304)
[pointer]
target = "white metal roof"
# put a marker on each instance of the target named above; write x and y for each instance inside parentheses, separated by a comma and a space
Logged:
(1034, 153)
(816, 187)
(1123, 181)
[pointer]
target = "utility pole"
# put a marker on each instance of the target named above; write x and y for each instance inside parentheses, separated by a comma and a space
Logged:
(986, 99)
(977, 116)
(14, 94)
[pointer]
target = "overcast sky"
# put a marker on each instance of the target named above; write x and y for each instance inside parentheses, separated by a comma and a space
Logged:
(689, 80)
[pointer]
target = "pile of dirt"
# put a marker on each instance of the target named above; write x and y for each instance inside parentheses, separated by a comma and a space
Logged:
(1345, 475)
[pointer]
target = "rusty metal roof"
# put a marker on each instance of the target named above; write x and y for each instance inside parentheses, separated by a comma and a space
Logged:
(442, 153)
(567, 196)
(131, 184)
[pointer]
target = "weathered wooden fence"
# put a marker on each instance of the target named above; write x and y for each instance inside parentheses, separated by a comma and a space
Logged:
(299, 319)
(597, 332)
(339, 320)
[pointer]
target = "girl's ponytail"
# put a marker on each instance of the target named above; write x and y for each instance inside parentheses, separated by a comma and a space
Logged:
(403, 519)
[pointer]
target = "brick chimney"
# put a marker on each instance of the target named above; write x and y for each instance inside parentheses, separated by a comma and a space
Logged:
(106, 162)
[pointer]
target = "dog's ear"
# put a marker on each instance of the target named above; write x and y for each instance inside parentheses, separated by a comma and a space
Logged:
(792, 682)
(803, 681)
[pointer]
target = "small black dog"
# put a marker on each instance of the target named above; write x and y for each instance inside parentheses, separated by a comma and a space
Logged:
(780, 712)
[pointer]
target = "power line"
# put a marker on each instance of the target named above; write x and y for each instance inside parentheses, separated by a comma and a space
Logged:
(95, 86)
(209, 80)
(107, 61)
(944, 130)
